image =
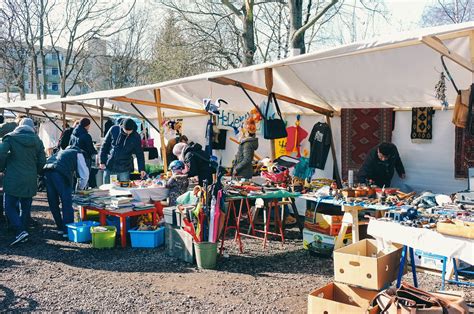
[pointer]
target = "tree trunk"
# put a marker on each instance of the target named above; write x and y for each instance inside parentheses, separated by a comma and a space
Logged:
(41, 48)
(248, 35)
(296, 22)
(63, 86)
(36, 77)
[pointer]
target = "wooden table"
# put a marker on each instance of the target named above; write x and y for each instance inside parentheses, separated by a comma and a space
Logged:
(103, 213)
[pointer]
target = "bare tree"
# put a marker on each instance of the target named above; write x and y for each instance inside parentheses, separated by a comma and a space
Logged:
(448, 12)
(83, 21)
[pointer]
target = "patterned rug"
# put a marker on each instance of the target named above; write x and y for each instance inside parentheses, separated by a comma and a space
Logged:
(464, 152)
(361, 130)
(422, 123)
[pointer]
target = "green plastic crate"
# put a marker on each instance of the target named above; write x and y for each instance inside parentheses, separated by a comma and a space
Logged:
(103, 239)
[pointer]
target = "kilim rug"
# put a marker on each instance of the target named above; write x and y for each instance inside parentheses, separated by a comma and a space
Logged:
(361, 130)
(464, 152)
(422, 124)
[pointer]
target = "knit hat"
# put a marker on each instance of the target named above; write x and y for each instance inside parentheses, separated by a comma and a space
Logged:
(129, 124)
(178, 150)
(84, 122)
(27, 122)
(176, 165)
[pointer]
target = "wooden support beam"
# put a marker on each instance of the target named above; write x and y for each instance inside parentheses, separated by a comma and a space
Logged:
(101, 105)
(63, 115)
(160, 126)
(471, 44)
(60, 113)
(78, 103)
(262, 91)
(436, 44)
(161, 105)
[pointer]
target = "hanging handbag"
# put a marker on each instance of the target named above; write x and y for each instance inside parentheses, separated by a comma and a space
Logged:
(273, 128)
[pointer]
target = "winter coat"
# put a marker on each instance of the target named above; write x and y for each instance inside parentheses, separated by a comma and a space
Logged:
(177, 185)
(82, 139)
(198, 163)
(65, 138)
(243, 159)
(6, 128)
(118, 148)
(22, 156)
(381, 172)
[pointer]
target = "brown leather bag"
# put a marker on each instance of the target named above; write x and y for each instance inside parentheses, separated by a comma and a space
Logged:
(408, 299)
(461, 108)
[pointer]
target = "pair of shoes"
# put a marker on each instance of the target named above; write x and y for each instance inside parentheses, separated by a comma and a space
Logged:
(20, 238)
(58, 231)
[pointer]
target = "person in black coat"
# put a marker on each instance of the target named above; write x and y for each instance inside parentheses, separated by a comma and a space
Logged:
(66, 136)
(380, 165)
(116, 154)
(81, 138)
(198, 163)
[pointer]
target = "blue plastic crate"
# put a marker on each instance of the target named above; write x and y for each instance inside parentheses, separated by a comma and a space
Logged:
(115, 221)
(80, 231)
(147, 239)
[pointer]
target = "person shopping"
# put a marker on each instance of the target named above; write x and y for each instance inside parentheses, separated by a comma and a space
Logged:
(60, 171)
(81, 138)
(22, 158)
(116, 155)
(248, 145)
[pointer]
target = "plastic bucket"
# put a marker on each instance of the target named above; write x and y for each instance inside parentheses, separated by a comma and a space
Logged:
(103, 239)
(206, 254)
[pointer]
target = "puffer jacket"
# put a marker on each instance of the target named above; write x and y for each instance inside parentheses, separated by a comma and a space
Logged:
(82, 139)
(118, 148)
(243, 159)
(6, 128)
(22, 156)
(198, 163)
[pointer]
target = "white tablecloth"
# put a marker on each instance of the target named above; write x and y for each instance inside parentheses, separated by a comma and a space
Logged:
(140, 194)
(423, 239)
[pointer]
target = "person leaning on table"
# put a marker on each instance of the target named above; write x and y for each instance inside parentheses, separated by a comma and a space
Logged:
(22, 158)
(116, 154)
(60, 171)
(380, 165)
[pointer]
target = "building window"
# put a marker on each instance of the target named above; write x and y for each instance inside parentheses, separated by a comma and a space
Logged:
(54, 71)
(55, 87)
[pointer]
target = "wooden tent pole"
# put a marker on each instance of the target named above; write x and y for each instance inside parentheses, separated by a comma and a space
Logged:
(101, 105)
(161, 105)
(63, 115)
(269, 87)
(471, 43)
(160, 126)
(334, 156)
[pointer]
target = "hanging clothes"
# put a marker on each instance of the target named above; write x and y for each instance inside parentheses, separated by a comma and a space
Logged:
(49, 134)
(296, 135)
(422, 124)
(209, 136)
(320, 140)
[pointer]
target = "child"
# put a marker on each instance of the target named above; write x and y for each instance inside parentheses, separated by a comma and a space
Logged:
(178, 183)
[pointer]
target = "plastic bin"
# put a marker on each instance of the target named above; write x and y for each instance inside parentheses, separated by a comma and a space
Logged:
(80, 231)
(103, 239)
(147, 239)
(170, 217)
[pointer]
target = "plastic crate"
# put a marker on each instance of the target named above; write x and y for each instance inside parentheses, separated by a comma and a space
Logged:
(80, 231)
(103, 239)
(170, 217)
(147, 239)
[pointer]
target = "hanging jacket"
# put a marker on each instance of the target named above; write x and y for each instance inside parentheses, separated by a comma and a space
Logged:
(198, 163)
(243, 159)
(22, 156)
(118, 150)
(81, 138)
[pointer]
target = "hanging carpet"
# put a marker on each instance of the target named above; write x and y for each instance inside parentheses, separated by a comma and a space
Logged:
(422, 124)
(464, 152)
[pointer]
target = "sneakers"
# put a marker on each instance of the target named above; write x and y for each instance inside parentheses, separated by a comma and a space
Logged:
(60, 232)
(20, 238)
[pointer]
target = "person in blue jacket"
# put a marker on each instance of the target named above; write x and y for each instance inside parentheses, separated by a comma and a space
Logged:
(81, 138)
(116, 155)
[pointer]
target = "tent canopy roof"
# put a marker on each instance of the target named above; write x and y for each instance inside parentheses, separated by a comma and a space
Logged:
(397, 71)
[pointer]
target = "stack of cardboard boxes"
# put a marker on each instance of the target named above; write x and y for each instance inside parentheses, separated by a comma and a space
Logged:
(321, 231)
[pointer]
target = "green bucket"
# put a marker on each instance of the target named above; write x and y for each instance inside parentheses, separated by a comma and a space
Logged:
(103, 239)
(206, 254)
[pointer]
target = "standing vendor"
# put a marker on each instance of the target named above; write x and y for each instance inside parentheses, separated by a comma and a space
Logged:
(248, 145)
(116, 155)
(380, 165)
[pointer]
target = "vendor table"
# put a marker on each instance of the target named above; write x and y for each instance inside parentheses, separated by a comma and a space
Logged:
(272, 201)
(423, 239)
(103, 213)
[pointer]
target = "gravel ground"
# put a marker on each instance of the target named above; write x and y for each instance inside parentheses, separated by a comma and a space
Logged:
(49, 274)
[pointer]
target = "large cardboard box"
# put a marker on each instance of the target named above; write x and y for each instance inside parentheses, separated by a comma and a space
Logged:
(179, 244)
(362, 265)
(322, 243)
(336, 298)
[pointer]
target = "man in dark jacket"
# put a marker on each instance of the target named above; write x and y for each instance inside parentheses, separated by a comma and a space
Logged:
(5, 128)
(116, 154)
(66, 136)
(81, 138)
(198, 163)
(380, 164)
(22, 156)
(60, 171)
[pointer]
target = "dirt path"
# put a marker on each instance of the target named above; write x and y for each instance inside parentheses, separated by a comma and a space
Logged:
(49, 274)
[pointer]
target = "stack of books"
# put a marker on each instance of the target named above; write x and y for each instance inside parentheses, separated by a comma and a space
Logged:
(121, 204)
(142, 206)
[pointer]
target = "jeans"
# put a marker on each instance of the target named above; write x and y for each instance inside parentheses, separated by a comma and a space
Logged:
(121, 176)
(58, 189)
(19, 222)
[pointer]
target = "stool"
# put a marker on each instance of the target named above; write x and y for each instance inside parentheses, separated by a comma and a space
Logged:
(271, 206)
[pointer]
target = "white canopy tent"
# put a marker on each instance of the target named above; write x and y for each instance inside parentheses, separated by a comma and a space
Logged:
(397, 71)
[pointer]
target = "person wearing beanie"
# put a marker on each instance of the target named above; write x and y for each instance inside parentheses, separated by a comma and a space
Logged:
(248, 145)
(116, 154)
(22, 157)
(81, 138)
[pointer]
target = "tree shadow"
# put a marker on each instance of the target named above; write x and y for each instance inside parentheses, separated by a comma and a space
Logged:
(11, 303)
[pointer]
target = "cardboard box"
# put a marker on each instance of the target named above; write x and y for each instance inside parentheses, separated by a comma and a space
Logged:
(336, 298)
(322, 243)
(362, 265)
(457, 229)
(179, 244)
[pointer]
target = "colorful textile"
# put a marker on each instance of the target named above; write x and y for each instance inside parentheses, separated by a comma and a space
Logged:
(361, 130)
(296, 135)
(464, 152)
(422, 123)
